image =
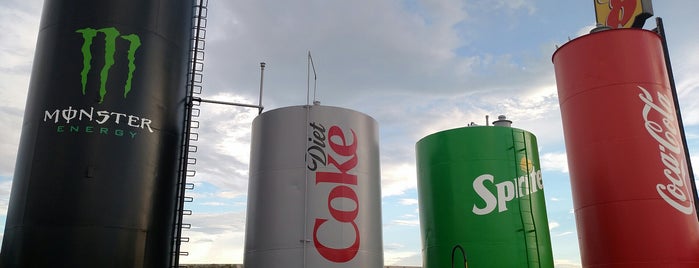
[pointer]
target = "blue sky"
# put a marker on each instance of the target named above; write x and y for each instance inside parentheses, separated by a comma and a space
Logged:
(417, 67)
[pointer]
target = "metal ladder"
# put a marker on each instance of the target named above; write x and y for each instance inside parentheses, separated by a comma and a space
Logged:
(529, 231)
(191, 126)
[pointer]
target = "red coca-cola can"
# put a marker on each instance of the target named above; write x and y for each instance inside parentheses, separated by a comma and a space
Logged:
(631, 190)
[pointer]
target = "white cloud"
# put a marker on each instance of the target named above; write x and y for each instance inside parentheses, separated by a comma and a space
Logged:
(390, 37)
(554, 162)
(203, 248)
(564, 263)
(408, 201)
(449, 116)
(223, 143)
(216, 204)
(517, 4)
(396, 179)
(228, 194)
(553, 225)
(393, 246)
(215, 238)
(17, 19)
(536, 106)
(12, 119)
(563, 234)
(688, 93)
(401, 258)
(414, 222)
(5, 188)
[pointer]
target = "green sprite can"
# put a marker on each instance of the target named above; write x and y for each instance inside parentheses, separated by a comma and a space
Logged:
(482, 199)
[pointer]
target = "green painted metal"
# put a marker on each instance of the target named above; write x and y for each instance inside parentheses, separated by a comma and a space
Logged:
(481, 199)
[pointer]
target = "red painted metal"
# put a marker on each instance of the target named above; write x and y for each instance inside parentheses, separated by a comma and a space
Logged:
(632, 197)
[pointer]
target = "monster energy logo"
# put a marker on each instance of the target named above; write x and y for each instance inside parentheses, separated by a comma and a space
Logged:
(110, 37)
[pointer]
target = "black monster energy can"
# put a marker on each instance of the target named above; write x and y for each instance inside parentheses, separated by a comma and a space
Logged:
(95, 179)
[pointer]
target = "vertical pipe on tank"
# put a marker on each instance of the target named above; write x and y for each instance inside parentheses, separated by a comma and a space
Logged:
(262, 79)
(95, 179)
(629, 176)
(481, 199)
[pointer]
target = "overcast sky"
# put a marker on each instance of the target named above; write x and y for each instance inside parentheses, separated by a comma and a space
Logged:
(415, 66)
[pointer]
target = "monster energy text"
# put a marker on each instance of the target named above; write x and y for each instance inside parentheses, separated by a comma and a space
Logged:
(110, 37)
(91, 121)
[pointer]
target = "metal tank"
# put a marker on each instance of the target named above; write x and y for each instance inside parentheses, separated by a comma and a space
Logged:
(314, 197)
(94, 182)
(629, 177)
(481, 198)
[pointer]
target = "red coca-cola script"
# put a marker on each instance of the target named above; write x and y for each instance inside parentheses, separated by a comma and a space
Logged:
(629, 178)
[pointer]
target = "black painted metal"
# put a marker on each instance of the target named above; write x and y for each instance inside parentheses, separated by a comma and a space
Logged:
(95, 179)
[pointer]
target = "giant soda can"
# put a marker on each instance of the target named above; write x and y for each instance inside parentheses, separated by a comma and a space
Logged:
(314, 197)
(631, 193)
(96, 173)
(481, 199)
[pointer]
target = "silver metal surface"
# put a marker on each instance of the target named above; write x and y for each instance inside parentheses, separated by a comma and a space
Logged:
(314, 197)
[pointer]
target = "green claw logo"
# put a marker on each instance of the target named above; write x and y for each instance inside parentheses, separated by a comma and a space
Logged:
(110, 38)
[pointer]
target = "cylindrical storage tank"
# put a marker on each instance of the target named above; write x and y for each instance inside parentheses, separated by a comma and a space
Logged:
(481, 199)
(631, 193)
(96, 172)
(314, 197)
